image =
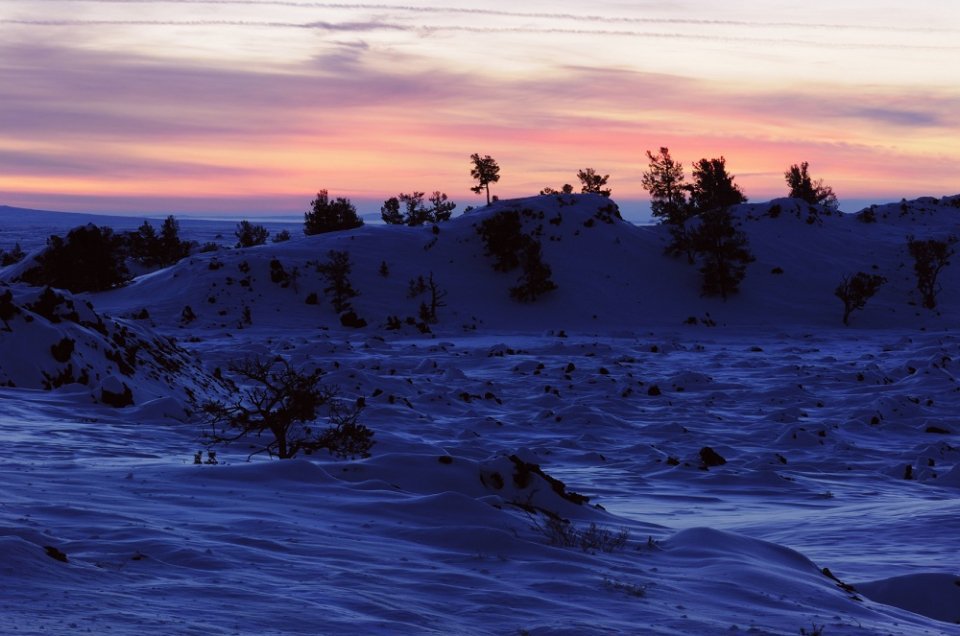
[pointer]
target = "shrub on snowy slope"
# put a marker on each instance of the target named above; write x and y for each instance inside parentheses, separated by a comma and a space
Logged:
(592, 182)
(90, 258)
(151, 249)
(930, 256)
(803, 187)
(283, 402)
(250, 235)
(856, 290)
(504, 239)
(330, 216)
(723, 251)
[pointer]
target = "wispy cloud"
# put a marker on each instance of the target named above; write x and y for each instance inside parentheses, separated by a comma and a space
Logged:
(376, 98)
(317, 25)
(384, 25)
(543, 15)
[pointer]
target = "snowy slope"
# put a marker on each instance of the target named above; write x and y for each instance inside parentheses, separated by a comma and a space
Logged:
(609, 276)
(774, 474)
(50, 339)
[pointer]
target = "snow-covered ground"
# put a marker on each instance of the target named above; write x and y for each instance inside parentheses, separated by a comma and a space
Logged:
(837, 508)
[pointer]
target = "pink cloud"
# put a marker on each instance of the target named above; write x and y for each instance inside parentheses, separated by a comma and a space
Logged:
(92, 124)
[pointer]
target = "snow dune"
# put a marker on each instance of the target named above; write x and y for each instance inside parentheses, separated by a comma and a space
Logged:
(772, 474)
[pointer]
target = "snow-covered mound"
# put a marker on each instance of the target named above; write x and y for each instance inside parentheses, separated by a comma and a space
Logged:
(609, 274)
(932, 594)
(51, 339)
(925, 211)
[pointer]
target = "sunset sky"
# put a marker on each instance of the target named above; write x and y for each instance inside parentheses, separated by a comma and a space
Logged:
(250, 106)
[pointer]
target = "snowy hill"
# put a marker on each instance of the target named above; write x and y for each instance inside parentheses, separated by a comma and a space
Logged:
(609, 276)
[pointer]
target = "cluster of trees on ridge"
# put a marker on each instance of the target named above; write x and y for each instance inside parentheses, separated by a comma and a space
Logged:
(697, 214)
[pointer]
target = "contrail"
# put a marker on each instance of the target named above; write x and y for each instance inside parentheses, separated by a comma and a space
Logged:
(431, 30)
(537, 15)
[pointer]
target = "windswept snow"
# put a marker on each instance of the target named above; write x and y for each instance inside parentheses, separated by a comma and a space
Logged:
(592, 462)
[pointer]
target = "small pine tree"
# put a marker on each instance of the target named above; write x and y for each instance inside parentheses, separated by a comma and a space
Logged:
(250, 235)
(565, 189)
(713, 187)
(486, 171)
(281, 236)
(723, 251)
(856, 290)
(428, 309)
(409, 209)
(330, 216)
(802, 186)
(414, 213)
(593, 182)
(144, 245)
(535, 279)
(336, 272)
(930, 256)
(171, 249)
(441, 208)
(390, 212)
(90, 258)
(664, 181)
(503, 239)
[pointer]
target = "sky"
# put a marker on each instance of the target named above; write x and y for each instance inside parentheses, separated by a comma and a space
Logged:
(248, 107)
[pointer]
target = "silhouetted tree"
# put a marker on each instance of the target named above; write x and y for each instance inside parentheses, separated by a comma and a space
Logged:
(409, 209)
(428, 308)
(535, 278)
(593, 182)
(336, 272)
(414, 211)
(723, 252)
(250, 235)
(713, 188)
(171, 249)
(281, 236)
(930, 256)
(90, 258)
(144, 245)
(486, 171)
(856, 290)
(330, 216)
(152, 249)
(441, 208)
(284, 402)
(664, 181)
(390, 212)
(504, 239)
(565, 189)
(803, 187)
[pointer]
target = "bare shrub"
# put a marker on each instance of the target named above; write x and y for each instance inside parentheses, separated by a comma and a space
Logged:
(281, 404)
